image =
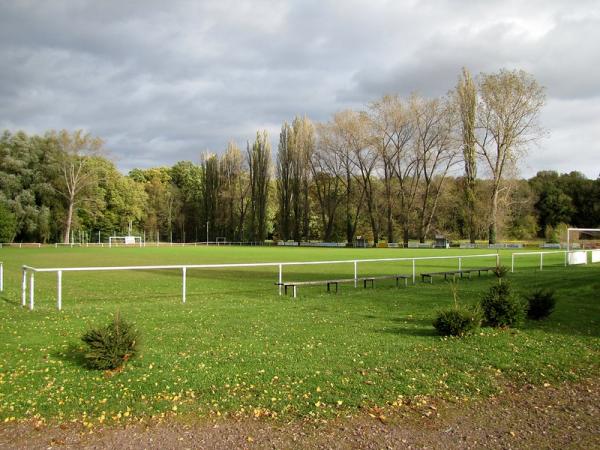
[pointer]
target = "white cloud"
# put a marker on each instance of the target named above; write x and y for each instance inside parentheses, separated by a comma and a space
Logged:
(164, 81)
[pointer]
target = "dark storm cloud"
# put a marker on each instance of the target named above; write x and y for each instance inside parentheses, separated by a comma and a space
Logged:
(165, 81)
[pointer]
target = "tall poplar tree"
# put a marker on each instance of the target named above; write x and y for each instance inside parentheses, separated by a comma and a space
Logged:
(259, 158)
(285, 180)
(466, 97)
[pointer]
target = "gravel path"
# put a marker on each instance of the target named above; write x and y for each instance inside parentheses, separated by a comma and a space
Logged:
(553, 417)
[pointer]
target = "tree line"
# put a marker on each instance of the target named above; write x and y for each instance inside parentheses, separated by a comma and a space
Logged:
(398, 169)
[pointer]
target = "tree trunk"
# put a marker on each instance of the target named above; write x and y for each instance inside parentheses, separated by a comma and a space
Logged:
(390, 222)
(405, 232)
(493, 217)
(349, 228)
(68, 222)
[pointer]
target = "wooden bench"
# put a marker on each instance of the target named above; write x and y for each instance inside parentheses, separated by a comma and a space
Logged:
(397, 277)
(460, 272)
(329, 283)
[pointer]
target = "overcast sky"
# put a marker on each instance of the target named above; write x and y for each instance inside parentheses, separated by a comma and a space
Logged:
(162, 81)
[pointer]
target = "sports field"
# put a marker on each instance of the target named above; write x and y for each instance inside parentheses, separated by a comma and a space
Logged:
(238, 348)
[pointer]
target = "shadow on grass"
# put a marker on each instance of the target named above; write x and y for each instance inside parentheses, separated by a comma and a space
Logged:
(582, 327)
(74, 355)
(411, 327)
(10, 301)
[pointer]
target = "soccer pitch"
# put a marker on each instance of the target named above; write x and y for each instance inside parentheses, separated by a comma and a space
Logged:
(238, 348)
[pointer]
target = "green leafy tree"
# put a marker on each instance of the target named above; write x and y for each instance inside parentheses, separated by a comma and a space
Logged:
(8, 224)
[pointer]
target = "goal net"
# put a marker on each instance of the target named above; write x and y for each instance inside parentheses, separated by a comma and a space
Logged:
(125, 241)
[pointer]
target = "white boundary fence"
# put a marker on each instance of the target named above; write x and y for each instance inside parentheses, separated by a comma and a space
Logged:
(21, 244)
(59, 271)
(567, 256)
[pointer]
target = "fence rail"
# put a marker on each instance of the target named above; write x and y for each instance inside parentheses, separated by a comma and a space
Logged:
(29, 271)
(566, 254)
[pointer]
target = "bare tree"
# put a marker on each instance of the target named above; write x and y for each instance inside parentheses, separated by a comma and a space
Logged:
(392, 130)
(435, 147)
(366, 158)
(507, 123)
(77, 172)
(338, 136)
(327, 172)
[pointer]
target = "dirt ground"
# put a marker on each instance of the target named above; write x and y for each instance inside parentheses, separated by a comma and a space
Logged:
(566, 416)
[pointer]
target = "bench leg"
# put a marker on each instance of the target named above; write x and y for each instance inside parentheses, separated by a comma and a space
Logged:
(285, 289)
(328, 290)
(294, 291)
(336, 287)
(406, 282)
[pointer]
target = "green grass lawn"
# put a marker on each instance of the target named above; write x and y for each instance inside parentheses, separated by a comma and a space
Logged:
(236, 347)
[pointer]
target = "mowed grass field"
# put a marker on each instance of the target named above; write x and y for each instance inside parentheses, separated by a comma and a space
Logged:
(238, 348)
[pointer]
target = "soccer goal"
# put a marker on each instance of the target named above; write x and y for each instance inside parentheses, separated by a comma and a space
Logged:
(580, 242)
(125, 241)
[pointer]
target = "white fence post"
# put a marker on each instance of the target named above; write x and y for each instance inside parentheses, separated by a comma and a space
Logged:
(24, 288)
(414, 274)
(566, 257)
(183, 283)
(459, 263)
(59, 290)
(355, 273)
(1, 277)
(541, 261)
(280, 278)
(512, 263)
(31, 289)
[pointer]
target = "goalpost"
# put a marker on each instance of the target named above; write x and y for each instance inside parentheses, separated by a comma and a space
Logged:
(580, 242)
(125, 241)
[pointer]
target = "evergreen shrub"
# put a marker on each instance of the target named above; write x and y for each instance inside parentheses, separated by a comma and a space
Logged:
(111, 346)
